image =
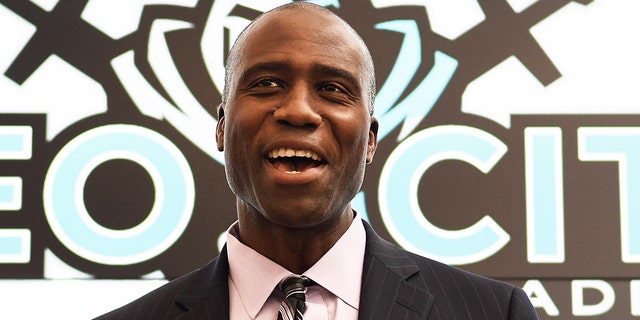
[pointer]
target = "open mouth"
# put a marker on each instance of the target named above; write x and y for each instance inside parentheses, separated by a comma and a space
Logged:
(294, 161)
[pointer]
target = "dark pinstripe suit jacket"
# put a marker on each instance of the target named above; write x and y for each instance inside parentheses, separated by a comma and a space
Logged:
(395, 285)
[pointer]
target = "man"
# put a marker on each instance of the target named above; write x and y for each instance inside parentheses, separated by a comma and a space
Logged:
(297, 130)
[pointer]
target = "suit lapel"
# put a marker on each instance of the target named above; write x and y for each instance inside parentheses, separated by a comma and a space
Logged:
(392, 286)
(207, 295)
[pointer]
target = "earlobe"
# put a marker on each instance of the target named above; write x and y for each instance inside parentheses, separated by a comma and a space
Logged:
(372, 145)
(220, 128)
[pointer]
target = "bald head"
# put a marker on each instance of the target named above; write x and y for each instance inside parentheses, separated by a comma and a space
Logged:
(278, 17)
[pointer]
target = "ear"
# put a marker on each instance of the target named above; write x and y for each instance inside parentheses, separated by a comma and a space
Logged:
(220, 128)
(373, 139)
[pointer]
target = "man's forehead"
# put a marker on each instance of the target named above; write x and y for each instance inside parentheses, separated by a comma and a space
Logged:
(317, 34)
(309, 22)
(296, 18)
(306, 10)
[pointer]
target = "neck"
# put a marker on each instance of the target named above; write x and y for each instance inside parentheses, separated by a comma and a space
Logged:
(294, 248)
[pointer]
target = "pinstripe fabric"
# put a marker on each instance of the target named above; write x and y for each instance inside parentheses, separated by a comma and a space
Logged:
(201, 294)
(400, 285)
(396, 285)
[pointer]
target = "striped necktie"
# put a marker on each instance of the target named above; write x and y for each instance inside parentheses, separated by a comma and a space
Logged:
(293, 305)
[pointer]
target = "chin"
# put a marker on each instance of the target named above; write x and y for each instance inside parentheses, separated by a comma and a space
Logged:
(297, 217)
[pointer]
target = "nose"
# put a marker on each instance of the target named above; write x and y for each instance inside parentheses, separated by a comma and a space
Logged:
(298, 109)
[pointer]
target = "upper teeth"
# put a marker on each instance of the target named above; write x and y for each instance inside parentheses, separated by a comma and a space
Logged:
(288, 152)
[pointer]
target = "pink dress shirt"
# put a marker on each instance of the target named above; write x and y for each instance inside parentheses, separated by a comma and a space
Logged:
(338, 274)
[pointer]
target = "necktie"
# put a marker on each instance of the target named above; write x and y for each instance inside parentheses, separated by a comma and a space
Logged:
(293, 305)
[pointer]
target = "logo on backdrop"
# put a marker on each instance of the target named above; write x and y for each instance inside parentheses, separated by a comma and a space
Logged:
(109, 166)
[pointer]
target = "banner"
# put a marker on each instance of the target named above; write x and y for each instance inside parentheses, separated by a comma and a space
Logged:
(508, 145)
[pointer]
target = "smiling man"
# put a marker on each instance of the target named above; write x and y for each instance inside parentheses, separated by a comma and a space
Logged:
(297, 131)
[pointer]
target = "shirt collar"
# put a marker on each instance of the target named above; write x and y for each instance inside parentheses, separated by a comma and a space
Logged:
(254, 275)
(339, 270)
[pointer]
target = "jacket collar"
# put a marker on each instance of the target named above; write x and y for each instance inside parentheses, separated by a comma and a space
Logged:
(391, 283)
(207, 294)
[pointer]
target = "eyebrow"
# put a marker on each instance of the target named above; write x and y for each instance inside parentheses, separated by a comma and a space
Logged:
(338, 73)
(270, 66)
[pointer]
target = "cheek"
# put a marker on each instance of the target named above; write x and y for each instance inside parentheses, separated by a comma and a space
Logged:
(352, 136)
(239, 127)
(235, 148)
(237, 167)
(241, 136)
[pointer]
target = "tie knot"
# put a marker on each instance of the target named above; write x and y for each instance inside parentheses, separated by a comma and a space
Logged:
(294, 289)
(294, 285)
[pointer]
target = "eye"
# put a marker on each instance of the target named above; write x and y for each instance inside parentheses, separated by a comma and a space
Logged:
(330, 87)
(267, 83)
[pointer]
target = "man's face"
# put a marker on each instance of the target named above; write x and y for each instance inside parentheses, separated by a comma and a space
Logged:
(296, 130)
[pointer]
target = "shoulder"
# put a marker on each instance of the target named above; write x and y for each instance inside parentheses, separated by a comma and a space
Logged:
(455, 293)
(435, 274)
(438, 272)
(165, 301)
(453, 287)
(162, 298)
